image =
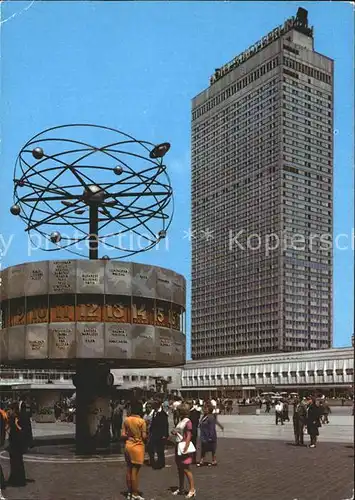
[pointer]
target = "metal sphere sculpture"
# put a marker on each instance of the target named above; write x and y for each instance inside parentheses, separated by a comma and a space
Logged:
(81, 183)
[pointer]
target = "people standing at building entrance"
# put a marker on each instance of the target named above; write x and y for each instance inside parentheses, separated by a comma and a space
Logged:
(208, 435)
(184, 450)
(279, 412)
(134, 434)
(17, 445)
(313, 421)
(158, 434)
(299, 421)
(194, 416)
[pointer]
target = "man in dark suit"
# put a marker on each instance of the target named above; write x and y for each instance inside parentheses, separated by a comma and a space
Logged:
(158, 434)
(313, 420)
(299, 421)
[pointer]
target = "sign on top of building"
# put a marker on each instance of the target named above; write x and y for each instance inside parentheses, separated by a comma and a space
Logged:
(300, 23)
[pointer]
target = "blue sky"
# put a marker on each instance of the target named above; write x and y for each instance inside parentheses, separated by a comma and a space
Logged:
(135, 66)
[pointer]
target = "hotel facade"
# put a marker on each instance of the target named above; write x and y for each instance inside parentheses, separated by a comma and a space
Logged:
(262, 200)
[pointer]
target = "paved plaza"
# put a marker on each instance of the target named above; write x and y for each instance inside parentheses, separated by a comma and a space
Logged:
(257, 461)
(340, 429)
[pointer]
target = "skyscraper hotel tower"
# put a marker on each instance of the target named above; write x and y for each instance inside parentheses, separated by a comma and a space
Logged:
(262, 180)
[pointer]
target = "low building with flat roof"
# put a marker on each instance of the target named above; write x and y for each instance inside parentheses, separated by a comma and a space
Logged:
(330, 371)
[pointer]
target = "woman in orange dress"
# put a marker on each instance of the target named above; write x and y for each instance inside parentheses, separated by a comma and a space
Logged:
(134, 432)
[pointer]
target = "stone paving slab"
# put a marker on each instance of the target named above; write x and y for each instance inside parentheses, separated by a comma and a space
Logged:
(247, 470)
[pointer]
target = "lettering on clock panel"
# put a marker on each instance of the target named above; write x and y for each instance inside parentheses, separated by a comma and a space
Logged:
(36, 342)
(62, 308)
(162, 313)
(164, 287)
(37, 278)
(143, 280)
(143, 342)
(62, 342)
(37, 310)
(90, 277)
(89, 308)
(179, 292)
(117, 309)
(90, 340)
(164, 346)
(118, 341)
(142, 311)
(16, 281)
(62, 276)
(179, 347)
(17, 312)
(118, 278)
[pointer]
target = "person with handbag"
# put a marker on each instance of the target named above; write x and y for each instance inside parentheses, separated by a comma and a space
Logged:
(184, 450)
(208, 435)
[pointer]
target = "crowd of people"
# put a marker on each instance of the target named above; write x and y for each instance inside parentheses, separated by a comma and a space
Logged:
(146, 431)
(142, 427)
(309, 414)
